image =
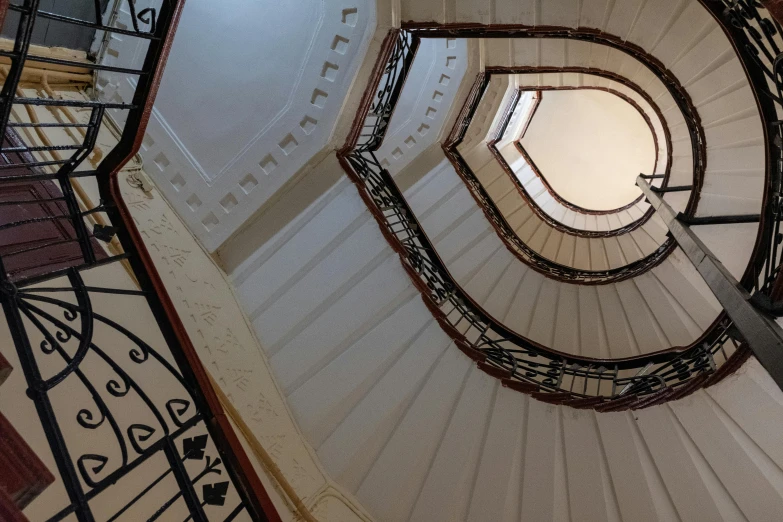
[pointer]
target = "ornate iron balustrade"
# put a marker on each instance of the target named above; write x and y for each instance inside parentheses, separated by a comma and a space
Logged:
(758, 40)
(381, 109)
(505, 121)
(459, 134)
(521, 364)
(134, 428)
(680, 96)
(504, 230)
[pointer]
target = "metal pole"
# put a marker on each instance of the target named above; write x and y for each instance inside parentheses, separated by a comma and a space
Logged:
(762, 334)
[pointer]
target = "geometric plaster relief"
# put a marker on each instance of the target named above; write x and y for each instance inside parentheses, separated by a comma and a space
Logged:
(268, 164)
(224, 342)
(228, 203)
(193, 202)
(423, 105)
(214, 322)
(248, 183)
(245, 101)
(308, 124)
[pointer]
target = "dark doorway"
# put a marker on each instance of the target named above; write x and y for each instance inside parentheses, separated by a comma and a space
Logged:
(36, 233)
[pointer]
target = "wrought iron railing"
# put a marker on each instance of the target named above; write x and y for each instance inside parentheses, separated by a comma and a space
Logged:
(680, 96)
(504, 230)
(575, 208)
(133, 426)
(457, 137)
(509, 116)
(758, 39)
(522, 364)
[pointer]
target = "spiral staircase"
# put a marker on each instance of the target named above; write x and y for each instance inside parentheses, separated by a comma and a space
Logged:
(379, 382)
(454, 339)
(384, 391)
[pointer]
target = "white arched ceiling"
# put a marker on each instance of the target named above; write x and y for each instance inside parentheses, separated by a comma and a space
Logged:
(590, 145)
(427, 96)
(249, 95)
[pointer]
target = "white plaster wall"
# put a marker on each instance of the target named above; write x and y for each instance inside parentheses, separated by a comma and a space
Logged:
(222, 338)
(247, 99)
(423, 107)
(230, 351)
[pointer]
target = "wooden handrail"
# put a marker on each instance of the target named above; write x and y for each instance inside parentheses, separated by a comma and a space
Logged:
(145, 269)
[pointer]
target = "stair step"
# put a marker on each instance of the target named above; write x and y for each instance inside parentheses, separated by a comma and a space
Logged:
(401, 468)
(621, 404)
(494, 371)
(519, 386)
(641, 494)
(585, 403)
(502, 439)
(753, 486)
(446, 491)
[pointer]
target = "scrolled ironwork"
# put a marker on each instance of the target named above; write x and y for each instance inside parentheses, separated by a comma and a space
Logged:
(758, 39)
(522, 250)
(138, 414)
(522, 364)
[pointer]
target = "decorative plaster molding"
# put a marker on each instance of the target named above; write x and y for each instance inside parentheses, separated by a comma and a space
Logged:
(432, 84)
(232, 354)
(217, 180)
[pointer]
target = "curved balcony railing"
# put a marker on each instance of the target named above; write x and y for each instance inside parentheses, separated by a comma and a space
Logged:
(521, 364)
(519, 248)
(758, 38)
(133, 425)
(680, 97)
(460, 129)
(567, 204)
(580, 210)
(531, 202)
(502, 128)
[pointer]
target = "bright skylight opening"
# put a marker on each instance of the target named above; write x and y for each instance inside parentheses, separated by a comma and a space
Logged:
(590, 145)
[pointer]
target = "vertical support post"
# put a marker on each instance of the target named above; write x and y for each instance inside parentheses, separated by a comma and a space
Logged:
(764, 337)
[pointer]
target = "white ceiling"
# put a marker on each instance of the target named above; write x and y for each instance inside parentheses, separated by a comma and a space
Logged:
(248, 97)
(590, 145)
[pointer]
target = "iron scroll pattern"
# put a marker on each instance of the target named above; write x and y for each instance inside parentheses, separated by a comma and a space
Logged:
(132, 432)
(758, 40)
(520, 363)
